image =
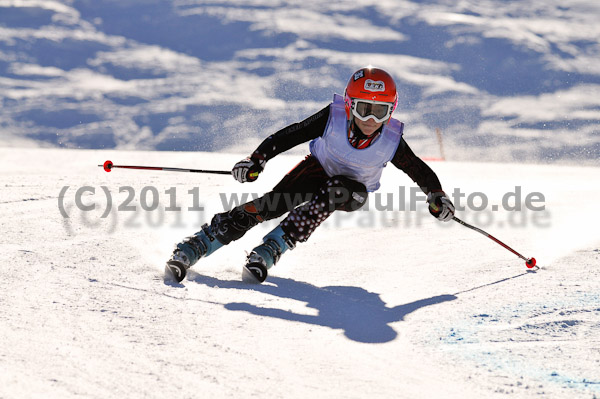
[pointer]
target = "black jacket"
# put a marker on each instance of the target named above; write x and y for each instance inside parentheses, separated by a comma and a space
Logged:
(314, 126)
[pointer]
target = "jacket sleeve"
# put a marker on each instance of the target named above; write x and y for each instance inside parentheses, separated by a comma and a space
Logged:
(406, 160)
(292, 135)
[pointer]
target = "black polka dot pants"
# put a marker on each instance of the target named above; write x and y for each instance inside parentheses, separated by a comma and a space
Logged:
(338, 193)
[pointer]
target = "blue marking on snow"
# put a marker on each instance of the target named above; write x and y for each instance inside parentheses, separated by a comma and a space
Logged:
(474, 337)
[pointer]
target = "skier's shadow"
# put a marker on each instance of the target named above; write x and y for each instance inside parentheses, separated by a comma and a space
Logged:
(362, 315)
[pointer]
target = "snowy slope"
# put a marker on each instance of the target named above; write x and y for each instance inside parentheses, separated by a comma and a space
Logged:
(502, 80)
(378, 303)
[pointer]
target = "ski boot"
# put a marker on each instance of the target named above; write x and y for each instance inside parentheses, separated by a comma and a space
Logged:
(266, 255)
(189, 251)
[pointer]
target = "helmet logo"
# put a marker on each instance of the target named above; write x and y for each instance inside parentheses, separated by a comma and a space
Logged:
(359, 74)
(374, 86)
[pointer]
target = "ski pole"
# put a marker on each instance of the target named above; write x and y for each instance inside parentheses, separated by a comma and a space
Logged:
(108, 166)
(530, 263)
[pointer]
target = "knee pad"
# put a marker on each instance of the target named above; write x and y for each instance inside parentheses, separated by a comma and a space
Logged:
(346, 194)
(232, 225)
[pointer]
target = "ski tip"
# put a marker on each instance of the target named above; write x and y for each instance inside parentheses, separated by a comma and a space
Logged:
(254, 273)
(175, 271)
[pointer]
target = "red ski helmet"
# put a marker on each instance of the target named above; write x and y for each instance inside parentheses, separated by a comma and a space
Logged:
(371, 93)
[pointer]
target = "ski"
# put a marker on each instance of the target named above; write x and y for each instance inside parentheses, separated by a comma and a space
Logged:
(175, 270)
(254, 273)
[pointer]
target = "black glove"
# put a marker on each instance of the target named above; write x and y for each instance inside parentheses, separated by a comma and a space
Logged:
(248, 169)
(440, 206)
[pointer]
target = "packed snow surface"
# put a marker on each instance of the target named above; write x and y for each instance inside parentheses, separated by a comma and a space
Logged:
(378, 303)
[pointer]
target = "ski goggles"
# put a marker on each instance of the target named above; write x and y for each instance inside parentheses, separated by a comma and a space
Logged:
(376, 110)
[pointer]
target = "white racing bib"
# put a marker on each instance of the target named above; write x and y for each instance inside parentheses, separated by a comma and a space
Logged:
(338, 157)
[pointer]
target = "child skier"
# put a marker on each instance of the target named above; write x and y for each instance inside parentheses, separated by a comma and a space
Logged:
(353, 138)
